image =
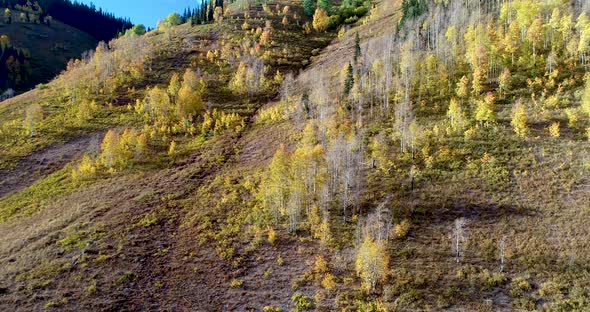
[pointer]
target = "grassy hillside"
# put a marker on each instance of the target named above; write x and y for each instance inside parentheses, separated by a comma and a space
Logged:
(49, 48)
(424, 156)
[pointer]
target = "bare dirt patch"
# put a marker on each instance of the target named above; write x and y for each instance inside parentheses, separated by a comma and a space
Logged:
(45, 162)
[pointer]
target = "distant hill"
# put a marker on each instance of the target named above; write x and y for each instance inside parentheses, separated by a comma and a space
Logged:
(45, 51)
(39, 38)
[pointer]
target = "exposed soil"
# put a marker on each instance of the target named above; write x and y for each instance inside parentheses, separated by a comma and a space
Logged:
(42, 163)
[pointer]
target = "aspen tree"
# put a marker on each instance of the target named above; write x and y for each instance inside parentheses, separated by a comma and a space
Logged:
(462, 89)
(505, 82)
(190, 103)
(485, 110)
(456, 115)
(109, 150)
(276, 185)
(174, 86)
(321, 20)
(371, 263)
(520, 120)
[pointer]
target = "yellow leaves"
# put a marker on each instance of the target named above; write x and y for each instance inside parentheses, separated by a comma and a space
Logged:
(172, 148)
(328, 282)
(85, 170)
(371, 263)
(238, 82)
(275, 113)
(463, 87)
(249, 78)
(245, 26)
(272, 236)
(109, 149)
(189, 103)
(520, 120)
(157, 105)
(218, 122)
(485, 110)
(218, 14)
(456, 116)
(321, 21)
(116, 151)
(175, 108)
(451, 35)
(573, 116)
(211, 55)
(554, 130)
(174, 85)
(320, 265)
(381, 153)
(402, 229)
(505, 82)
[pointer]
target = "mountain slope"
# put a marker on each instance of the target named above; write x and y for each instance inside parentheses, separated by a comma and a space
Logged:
(427, 157)
(48, 49)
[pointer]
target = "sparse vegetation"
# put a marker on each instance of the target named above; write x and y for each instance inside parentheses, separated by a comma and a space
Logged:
(419, 162)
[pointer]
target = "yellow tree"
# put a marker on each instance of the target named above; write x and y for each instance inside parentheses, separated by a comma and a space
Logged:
(456, 115)
(157, 106)
(274, 188)
(485, 110)
(218, 14)
(463, 87)
(190, 102)
(372, 262)
(478, 80)
(512, 40)
(520, 120)
(321, 20)
(109, 150)
(174, 86)
(505, 82)
(535, 34)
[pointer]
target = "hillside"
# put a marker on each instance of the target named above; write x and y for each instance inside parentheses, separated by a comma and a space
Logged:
(354, 156)
(47, 48)
(39, 38)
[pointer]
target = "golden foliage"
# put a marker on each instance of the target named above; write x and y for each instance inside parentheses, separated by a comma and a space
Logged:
(554, 129)
(520, 120)
(321, 20)
(372, 262)
(85, 170)
(218, 122)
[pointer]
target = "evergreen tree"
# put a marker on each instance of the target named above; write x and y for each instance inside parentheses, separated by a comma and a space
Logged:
(308, 7)
(325, 5)
(349, 81)
(357, 47)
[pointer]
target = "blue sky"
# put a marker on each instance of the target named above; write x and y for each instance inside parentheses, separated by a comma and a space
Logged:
(147, 12)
